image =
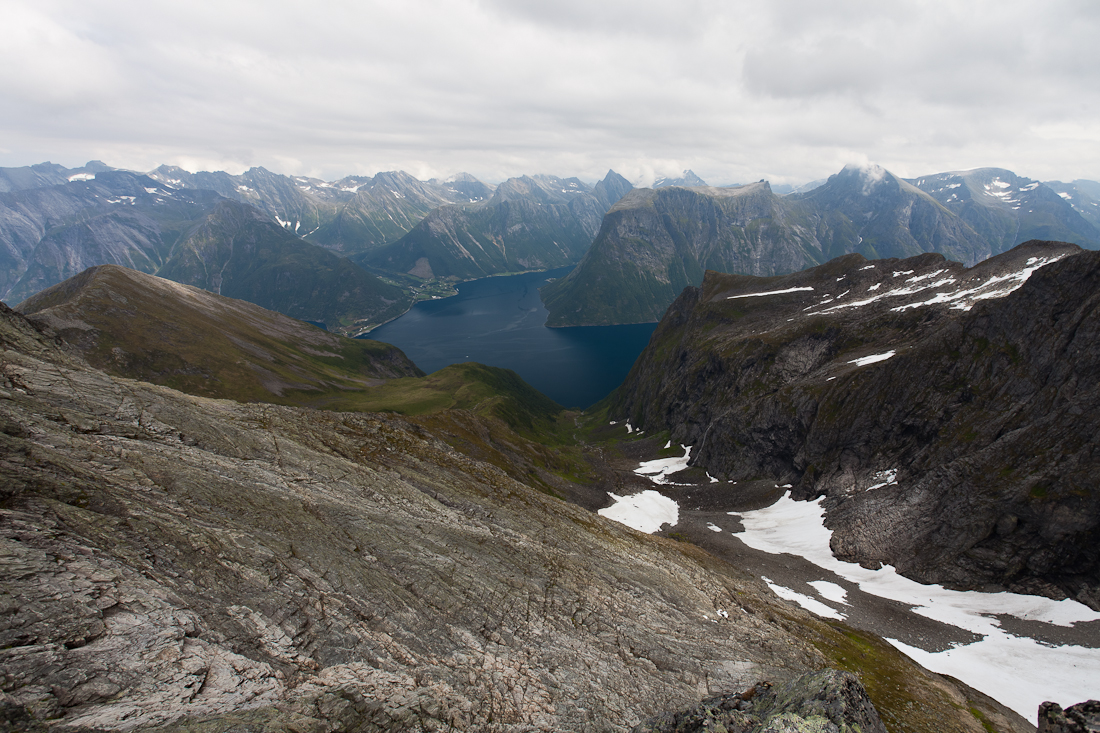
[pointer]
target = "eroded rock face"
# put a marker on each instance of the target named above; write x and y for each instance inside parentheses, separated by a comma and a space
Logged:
(949, 423)
(168, 557)
(820, 701)
(1083, 717)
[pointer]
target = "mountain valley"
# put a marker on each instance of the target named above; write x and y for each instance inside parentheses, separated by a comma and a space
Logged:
(181, 563)
(220, 516)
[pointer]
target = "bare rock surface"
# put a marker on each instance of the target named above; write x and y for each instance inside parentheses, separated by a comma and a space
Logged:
(1083, 717)
(826, 701)
(168, 557)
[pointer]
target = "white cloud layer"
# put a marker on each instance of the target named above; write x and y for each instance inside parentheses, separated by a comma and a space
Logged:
(737, 91)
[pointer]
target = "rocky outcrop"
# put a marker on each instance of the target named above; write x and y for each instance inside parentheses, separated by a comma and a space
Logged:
(1083, 717)
(943, 416)
(822, 701)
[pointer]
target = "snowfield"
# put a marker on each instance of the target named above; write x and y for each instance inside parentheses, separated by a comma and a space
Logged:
(1017, 671)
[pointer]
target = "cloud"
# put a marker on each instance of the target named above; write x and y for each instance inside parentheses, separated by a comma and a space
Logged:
(735, 91)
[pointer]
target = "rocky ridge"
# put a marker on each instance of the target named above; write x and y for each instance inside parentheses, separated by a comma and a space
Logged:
(207, 344)
(944, 412)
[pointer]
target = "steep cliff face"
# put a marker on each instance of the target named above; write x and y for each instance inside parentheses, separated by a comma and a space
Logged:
(947, 413)
(655, 242)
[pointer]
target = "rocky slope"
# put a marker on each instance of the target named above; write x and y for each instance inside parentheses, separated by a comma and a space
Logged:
(1082, 195)
(530, 223)
(239, 253)
(207, 344)
(1007, 209)
(50, 233)
(653, 243)
(169, 560)
(946, 412)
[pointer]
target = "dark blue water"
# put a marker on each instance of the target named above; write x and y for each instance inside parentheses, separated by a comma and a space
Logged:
(499, 321)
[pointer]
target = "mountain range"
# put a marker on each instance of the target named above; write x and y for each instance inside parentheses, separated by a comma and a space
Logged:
(193, 236)
(636, 247)
(655, 242)
(350, 216)
(529, 223)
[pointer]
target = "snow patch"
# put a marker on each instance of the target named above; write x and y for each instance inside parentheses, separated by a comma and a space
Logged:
(645, 512)
(873, 358)
(830, 591)
(660, 469)
(885, 478)
(810, 604)
(714, 527)
(1017, 671)
(770, 292)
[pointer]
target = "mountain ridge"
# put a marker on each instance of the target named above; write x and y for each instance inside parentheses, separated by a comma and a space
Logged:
(960, 394)
(639, 262)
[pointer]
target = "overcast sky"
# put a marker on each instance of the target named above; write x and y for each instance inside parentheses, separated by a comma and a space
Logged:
(736, 91)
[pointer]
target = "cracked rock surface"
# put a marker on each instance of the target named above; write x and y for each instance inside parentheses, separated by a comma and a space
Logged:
(165, 557)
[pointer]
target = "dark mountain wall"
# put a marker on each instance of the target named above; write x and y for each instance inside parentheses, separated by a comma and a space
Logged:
(962, 453)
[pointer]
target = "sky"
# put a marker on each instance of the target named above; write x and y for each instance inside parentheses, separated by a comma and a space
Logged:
(786, 90)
